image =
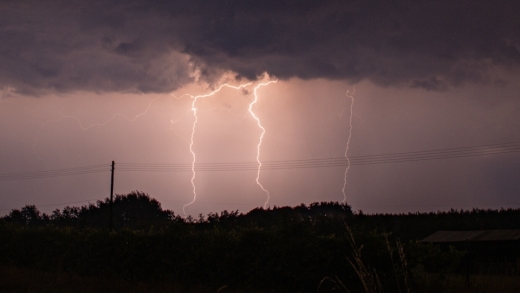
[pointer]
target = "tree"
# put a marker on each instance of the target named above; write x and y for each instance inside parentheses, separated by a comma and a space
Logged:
(28, 216)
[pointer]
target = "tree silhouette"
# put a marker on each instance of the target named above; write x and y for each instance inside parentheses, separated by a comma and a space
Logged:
(28, 216)
(136, 211)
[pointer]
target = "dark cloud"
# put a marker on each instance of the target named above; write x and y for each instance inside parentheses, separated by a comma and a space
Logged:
(151, 46)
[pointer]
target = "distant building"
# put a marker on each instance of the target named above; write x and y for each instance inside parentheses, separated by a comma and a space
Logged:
(487, 251)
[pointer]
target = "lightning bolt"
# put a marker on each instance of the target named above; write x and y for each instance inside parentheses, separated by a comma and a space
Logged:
(351, 96)
(261, 138)
(194, 110)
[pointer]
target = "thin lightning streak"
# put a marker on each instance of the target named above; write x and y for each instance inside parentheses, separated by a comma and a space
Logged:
(194, 110)
(85, 128)
(110, 119)
(348, 94)
(261, 138)
(174, 122)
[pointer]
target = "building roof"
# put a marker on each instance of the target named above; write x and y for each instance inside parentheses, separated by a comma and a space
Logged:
(482, 235)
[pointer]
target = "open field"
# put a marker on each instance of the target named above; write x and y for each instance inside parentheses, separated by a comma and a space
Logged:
(22, 280)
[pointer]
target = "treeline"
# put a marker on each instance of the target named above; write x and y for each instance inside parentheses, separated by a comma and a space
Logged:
(138, 211)
(285, 249)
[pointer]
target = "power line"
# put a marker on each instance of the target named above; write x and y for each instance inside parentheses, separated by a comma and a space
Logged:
(55, 173)
(438, 206)
(59, 204)
(438, 154)
(213, 202)
(64, 203)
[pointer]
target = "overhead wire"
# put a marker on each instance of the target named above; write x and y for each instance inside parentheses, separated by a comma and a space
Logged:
(59, 204)
(55, 172)
(402, 157)
(448, 153)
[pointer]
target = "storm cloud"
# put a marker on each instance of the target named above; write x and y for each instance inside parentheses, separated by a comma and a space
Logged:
(159, 46)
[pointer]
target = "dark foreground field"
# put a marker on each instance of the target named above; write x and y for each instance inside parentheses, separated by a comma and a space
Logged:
(29, 280)
(322, 247)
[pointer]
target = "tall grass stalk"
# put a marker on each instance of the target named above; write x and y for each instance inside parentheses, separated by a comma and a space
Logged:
(404, 264)
(402, 272)
(368, 276)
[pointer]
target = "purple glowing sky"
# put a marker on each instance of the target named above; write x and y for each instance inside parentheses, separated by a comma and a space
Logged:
(427, 76)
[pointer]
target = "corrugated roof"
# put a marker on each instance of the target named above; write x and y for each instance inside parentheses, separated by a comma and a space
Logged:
(482, 235)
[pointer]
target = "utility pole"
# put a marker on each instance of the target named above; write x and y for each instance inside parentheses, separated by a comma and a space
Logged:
(111, 198)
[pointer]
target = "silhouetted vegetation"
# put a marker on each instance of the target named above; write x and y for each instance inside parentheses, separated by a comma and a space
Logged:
(282, 249)
(135, 211)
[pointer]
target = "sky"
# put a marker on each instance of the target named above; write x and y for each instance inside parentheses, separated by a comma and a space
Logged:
(422, 96)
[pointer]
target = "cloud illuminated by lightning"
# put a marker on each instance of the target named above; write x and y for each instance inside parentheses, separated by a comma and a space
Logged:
(351, 96)
(261, 137)
(194, 110)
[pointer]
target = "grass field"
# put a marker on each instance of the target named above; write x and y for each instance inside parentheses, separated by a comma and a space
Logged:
(33, 281)
(473, 284)
(21, 280)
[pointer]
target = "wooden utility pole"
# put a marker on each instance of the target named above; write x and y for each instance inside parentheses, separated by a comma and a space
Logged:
(111, 198)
